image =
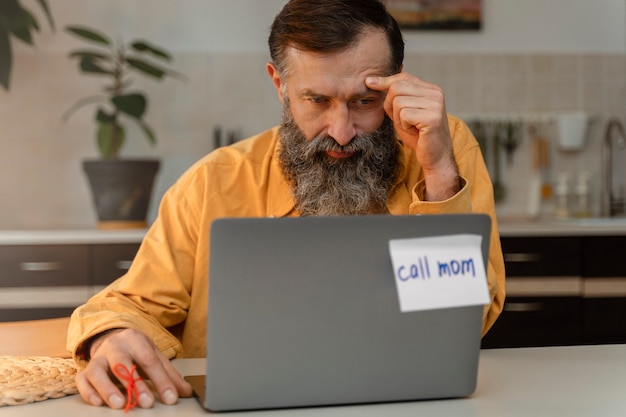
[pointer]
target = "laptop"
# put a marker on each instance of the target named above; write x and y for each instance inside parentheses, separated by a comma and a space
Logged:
(304, 312)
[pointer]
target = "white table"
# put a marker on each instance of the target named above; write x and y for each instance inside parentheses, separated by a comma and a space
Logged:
(555, 381)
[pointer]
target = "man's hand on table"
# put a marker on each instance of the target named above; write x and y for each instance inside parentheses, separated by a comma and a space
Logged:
(97, 383)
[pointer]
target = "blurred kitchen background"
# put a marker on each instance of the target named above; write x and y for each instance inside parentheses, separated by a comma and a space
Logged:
(532, 65)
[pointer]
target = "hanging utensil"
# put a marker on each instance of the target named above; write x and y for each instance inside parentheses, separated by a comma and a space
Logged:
(534, 182)
(479, 130)
(511, 139)
(541, 157)
(499, 190)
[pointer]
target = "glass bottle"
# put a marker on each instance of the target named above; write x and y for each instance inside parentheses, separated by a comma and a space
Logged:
(562, 193)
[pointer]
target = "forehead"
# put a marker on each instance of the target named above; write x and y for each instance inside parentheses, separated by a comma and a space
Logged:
(335, 73)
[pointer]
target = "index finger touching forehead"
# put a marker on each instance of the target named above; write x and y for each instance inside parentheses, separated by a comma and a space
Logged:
(378, 83)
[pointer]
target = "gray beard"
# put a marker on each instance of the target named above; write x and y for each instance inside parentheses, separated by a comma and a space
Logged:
(326, 186)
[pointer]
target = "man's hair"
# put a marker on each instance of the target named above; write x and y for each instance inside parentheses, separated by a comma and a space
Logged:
(330, 26)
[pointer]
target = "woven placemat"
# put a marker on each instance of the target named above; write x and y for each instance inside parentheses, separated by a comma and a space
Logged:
(27, 379)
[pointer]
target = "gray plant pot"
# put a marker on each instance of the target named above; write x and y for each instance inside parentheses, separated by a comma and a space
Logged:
(121, 190)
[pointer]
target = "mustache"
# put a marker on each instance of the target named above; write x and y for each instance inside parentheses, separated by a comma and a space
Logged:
(325, 143)
(363, 144)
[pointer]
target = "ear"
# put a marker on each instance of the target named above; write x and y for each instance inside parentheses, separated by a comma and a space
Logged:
(276, 80)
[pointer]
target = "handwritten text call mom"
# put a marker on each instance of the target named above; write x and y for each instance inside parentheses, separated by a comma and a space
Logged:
(421, 269)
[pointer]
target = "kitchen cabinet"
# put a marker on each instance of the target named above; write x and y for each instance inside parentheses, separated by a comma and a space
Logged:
(43, 265)
(562, 290)
(45, 280)
(543, 305)
(110, 261)
(604, 290)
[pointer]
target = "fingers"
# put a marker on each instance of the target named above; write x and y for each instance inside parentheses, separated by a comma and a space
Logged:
(96, 387)
(161, 373)
(182, 387)
(411, 103)
(100, 382)
(419, 114)
(417, 109)
(379, 83)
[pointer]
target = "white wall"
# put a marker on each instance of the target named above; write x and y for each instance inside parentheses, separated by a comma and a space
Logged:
(532, 55)
(532, 26)
(553, 26)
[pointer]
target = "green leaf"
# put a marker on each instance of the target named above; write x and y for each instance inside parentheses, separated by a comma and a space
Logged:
(7, 5)
(31, 22)
(144, 46)
(94, 55)
(111, 138)
(105, 131)
(88, 64)
(104, 117)
(131, 104)
(23, 33)
(149, 133)
(19, 22)
(153, 70)
(89, 34)
(44, 5)
(146, 68)
(12, 14)
(6, 60)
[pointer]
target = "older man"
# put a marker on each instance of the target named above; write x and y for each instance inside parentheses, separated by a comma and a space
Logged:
(358, 136)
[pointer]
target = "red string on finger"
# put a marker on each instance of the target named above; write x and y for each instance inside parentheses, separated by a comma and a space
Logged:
(132, 394)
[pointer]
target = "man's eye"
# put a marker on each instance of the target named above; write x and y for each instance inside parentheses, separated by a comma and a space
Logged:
(318, 100)
(367, 102)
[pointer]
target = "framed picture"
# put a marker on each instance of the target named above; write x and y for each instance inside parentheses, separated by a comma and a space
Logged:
(436, 14)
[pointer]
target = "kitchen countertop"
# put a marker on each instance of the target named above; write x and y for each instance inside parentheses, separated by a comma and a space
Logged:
(70, 236)
(508, 227)
(599, 226)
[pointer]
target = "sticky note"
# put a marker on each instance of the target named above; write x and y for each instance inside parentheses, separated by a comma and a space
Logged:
(439, 272)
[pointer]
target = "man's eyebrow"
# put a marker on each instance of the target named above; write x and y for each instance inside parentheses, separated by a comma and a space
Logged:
(367, 92)
(362, 93)
(310, 93)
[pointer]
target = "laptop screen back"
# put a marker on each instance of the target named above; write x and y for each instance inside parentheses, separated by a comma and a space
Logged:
(305, 312)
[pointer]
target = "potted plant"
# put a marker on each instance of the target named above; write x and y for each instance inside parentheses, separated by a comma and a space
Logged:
(16, 21)
(121, 188)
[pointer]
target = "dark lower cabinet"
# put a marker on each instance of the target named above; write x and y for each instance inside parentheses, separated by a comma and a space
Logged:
(565, 290)
(110, 261)
(48, 281)
(605, 320)
(43, 265)
(537, 321)
(21, 314)
(604, 290)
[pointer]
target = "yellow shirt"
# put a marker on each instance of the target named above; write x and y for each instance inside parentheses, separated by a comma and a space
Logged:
(165, 291)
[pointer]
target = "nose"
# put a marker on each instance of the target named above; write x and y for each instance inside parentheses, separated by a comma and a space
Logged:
(341, 125)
